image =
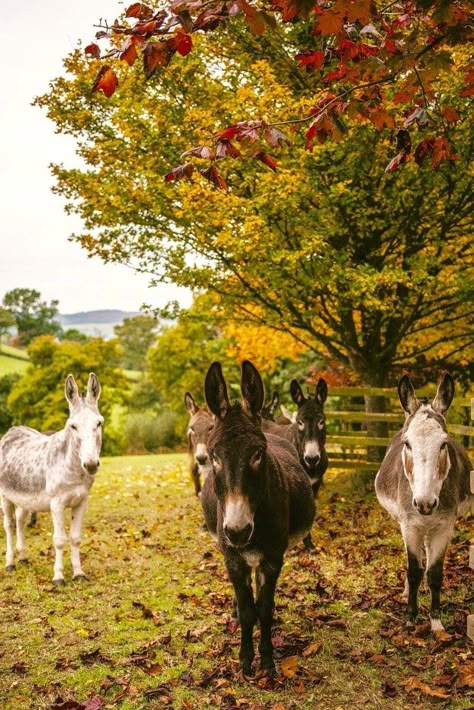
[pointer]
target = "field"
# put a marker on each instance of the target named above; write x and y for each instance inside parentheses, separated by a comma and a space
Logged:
(152, 628)
(12, 360)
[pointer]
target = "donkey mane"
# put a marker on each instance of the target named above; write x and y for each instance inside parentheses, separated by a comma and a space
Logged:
(235, 427)
(428, 412)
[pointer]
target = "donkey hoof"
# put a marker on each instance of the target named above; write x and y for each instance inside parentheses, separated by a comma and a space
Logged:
(246, 668)
(58, 582)
(10, 568)
(267, 664)
(24, 561)
(80, 578)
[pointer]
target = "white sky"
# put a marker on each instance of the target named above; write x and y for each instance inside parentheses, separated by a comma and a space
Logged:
(34, 229)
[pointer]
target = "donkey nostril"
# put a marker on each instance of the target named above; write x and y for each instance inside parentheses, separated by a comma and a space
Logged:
(238, 537)
(415, 504)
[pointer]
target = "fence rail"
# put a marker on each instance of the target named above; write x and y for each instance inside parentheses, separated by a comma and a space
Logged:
(348, 438)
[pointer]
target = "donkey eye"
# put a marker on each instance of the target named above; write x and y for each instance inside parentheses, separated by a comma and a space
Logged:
(300, 425)
(321, 424)
(99, 424)
(73, 426)
(444, 446)
(407, 445)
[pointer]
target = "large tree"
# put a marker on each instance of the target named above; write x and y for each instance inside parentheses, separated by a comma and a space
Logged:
(372, 60)
(33, 317)
(366, 268)
(135, 335)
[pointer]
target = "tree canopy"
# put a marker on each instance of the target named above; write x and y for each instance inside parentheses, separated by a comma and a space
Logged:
(368, 60)
(32, 316)
(365, 268)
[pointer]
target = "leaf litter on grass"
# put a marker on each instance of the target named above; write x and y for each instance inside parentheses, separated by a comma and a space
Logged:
(339, 632)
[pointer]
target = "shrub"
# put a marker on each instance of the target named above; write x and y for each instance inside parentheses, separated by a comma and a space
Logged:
(148, 432)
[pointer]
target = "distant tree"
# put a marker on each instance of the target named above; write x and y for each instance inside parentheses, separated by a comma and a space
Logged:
(37, 399)
(75, 335)
(6, 384)
(33, 317)
(135, 335)
(6, 321)
(183, 352)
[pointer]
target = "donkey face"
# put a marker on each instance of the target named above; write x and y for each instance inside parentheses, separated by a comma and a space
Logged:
(311, 423)
(238, 451)
(85, 422)
(200, 426)
(425, 453)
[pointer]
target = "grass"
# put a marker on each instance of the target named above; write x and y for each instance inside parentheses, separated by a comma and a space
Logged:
(152, 626)
(12, 360)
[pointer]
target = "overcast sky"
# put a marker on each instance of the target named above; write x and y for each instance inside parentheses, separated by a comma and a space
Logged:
(34, 229)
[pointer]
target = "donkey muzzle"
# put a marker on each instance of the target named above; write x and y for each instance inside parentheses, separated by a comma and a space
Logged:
(238, 537)
(91, 467)
(202, 460)
(425, 507)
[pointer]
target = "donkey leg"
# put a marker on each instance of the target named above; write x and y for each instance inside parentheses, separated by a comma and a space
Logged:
(435, 551)
(196, 479)
(9, 525)
(413, 540)
(21, 516)
(59, 540)
(240, 577)
(77, 517)
(267, 576)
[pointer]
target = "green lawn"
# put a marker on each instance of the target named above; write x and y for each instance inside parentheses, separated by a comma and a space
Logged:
(12, 360)
(152, 626)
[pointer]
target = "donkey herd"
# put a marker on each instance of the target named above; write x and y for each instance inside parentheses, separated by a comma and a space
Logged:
(257, 477)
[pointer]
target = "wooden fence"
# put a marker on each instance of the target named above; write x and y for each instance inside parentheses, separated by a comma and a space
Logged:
(347, 423)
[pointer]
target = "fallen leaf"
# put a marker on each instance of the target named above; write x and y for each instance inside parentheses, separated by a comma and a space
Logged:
(289, 666)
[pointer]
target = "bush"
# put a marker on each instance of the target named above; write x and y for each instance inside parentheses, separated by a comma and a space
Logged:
(6, 416)
(148, 432)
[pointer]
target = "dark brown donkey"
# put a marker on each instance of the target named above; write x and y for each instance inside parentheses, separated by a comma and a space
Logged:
(257, 503)
(307, 434)
(199, 428)
(423, 483)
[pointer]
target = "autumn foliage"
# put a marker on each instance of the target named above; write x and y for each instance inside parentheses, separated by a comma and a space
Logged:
(372, 62)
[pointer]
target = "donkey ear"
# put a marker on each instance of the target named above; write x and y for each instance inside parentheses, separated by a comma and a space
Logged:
(253, 391)
(296, 393)
(190, 404)
(444, 394)
(407, 395)
(93, 389)
(71, 391)
(215, 391)
(321, 390)
(274, 402)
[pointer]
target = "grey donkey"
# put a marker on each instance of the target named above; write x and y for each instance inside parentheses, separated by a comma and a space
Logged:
(40, 472)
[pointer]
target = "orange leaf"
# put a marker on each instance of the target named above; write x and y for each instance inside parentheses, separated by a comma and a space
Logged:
(330, 22)
(312, 648)
(142, 12)
(289, 666)
(466, 675)
(106, 81)
(266, 159)
(157, 54)
(129, 54)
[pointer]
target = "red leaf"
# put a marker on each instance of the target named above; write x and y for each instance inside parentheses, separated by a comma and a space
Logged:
(201, 151)
(266, 159)
(184, 43)
(423, 149)
(181, 171)
(275, 138)
(93, 50)
(398, 160)
(450, 114)
(212, 174)
(145, 28)
(106, 81)
(311, 60)
(142, 12)
(129, 52)
(157, 54)
(225, 147)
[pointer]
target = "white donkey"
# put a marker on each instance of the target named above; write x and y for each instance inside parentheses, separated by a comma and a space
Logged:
(40, 472)
(423, 483)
